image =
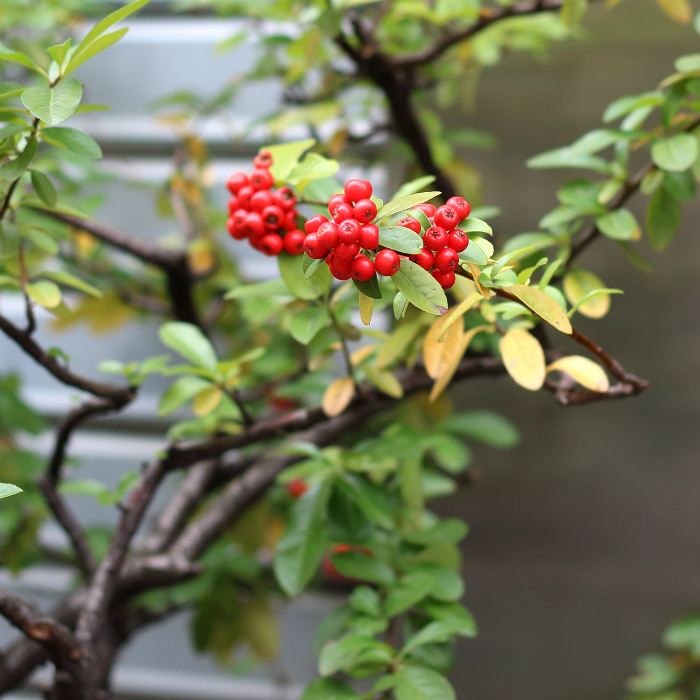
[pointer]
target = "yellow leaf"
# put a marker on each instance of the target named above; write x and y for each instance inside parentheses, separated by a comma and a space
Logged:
(395, 345)
(446, 377)
(577, 284)
(385, 381)
(484, 291)
(678, 10)
(207, 400)
(543, 305)
(523, 357)
(45, 293)
(459, 310)
(437, 355)
(362, 354)
(586, 372)
(366, 308)
(337, 396)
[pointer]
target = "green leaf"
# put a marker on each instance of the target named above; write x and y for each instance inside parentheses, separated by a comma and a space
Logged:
(11, 130)
(44, 188)
(566, 158)
(97, 46)
(291, 271)
(85, 487)
(400, 239)
(422, 683)
(620, 225)
(8, 54)
(309, 265)
(688, 64)
(348, 651)
(413, 186)
(440, 631)
(54, 104)
(370, 499)
(474, 225)
(313, 167)
(262, 290)
(40, 238)
(305, 324)
(400, 304)
(679, 185)
(69, 280)
(447, 583)
(474, 254)
(9, 490)
(404, 203)
(285, 157)
(406, 592)
(485, 426)
(329, 689)
(676, 153)
(663, 219)
(44, 293)
(16, 168)
(179, 392)
(543, 305)
(370, 288)
(187, 340)
(625, 105)
(572, 11)
(72, 139)
(451, 530)
(299, 551)
(684, 634)
(363, 567)
(420, 288)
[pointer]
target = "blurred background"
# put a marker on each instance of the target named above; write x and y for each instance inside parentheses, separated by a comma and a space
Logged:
(585, 540)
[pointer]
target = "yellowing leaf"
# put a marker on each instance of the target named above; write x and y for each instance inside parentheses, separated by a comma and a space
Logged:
(366, 308)
(577, 284)
(586, 372)
(397, 343)
(543, 305)
(438, 355)
(207, 400)
(524, 359)
(385, 381)
(678, 10)
(484, 291)
(362, 354)
(45, 293)
(458, 311)
(337, 396)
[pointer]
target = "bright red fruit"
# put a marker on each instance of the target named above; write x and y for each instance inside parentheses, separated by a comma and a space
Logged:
(358, 189)
(296, 488)
(232, 205)
(313, 247)
(425, 258)
(346, 251)
(446, 260)
(328, 234)
(263, 159)
(244, 196)
(284, 198)
(362, 268)
(435, 238)
(236, 181)
(427, 209)
(458, 240)
(273, 217)
(365, 210)
(312, 224)
(253, 224)
(410, 222)
(342, 212)
(260, 200)
(369, 236)
(290, 220)
(445, 279)
(461, 205)
(387, 262)
(271, 244)
(447, 217)
(335, 201)
(294, 242)
(349, 231)
(261, 179)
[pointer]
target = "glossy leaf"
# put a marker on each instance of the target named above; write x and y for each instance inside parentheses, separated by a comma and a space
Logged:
(305, 324)
(420, 288)
(543, 305)
(422, 683)
(54, 104)
(366, 305)
(620, 225)
(400, 239)
(676, 153)
(524, 359)
(72, 139)
(663, 219)
(403, 204)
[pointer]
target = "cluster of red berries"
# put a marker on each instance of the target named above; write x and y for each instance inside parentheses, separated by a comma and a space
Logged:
(442, 241)
(265, 216)
(340, 239)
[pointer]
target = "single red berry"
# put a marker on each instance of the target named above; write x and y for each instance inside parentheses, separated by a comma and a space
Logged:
(346, 251)
(445, 279)
(263, 159)
(244, 196)
(435, 238)
(425, 258)
(387, 262)
(294, 242)
(273, 217)
(255, 241)
(327, 234)
(271, 244)
(335, 201)
(236, 181)
(261, 179)
(357, 190)
(362, 268)
(290, 220)
(365, 210)
(260, 200)
(458, 240)
(338, 274)
(447, 217)
(296, 488)
(349, 231)
(253, 224)
(428, 209)
(311, 225)
(341, 266)
(232, 205)
(238, 217)
(446, 260)
(342, 212)
(461, 205)
(284, 198)
(234, 230)
(313, 247)
(410, 222)
(369, 236)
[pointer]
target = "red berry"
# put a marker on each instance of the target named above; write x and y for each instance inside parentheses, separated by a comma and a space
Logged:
(232, 205)
(358, 189)
(255, 241)
(263, 159)
(236, 181)
(362, 268)
(313, 247)
(290, 220)
(234, 230)
(296, 488)
(458, 240)
(260, 200)
(338, 274)
(435, 238)
(253, 224)
(341, 266)
(446, 260)
(428, 209)
(311, 225)
(461, 205)
(294, 242)
(261, 179)
(238, 217)
(335, 201)
(328, 235)
(345, 252)
(447, 217)
(271, 244)
(349, 231)
(425, 258)
(387, 262)
(369, 236)
(244, 196)
(365, 210)
(284, 198)
(410, 222)
(342, 212)
(445, 279)
(273, 217)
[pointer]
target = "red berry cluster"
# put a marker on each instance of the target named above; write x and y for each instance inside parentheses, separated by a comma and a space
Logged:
(442, 241)
(340, 239)
(263, 215)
